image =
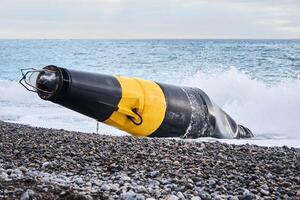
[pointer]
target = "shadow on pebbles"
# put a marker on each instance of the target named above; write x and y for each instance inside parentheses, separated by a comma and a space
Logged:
(39, 163)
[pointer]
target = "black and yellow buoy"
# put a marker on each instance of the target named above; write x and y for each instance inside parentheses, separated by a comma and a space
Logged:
(139, 107)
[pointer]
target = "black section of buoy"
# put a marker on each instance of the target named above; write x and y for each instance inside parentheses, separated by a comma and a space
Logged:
(91, 94)
(178, 112)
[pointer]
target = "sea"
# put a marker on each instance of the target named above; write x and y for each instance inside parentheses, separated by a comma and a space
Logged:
(257, 82)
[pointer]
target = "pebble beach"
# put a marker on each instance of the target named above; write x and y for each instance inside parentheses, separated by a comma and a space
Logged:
(40, 163)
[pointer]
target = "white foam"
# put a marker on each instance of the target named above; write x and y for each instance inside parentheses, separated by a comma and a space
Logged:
(271, 112)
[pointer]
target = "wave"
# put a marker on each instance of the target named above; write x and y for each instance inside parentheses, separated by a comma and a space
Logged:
(269, 111)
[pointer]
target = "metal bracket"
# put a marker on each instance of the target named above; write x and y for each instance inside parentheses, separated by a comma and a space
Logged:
(132, 118)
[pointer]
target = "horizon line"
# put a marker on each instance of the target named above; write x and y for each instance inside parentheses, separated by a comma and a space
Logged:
(149, 38)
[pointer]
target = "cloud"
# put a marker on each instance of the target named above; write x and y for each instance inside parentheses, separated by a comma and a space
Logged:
(149, 19)
(281, 14)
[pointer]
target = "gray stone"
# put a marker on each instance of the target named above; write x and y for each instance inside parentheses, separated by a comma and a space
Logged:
(23, 169)
(141, 189)
(139, 197)
(97, 182)
(4, 176)
(171, 197)
(264, 192)
(48, 164)
(233, 198)
(125, 178)
(79, 181)
(114, 187)
(269, 176)
(106, 187)
(18, 172)
(27, 195)
(247, 195)
(212, 183)
(204, 195)
(265, 187)
(130, 195)
(154, 174)
(180, 196)
(14, 176)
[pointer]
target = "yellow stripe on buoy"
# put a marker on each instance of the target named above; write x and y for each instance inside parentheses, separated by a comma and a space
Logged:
(142, 102)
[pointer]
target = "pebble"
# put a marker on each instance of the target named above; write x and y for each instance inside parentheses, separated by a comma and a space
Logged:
(153, 174)
(180, 196)
(171, 197)
(27, 195)
(53, 164)
(132, 196)
(48, 164)
(125, 178)
(105, 187)
(269, 176)
(204, 195)
(141, 189)
(79, 181)
(264, 192)
(247, 195)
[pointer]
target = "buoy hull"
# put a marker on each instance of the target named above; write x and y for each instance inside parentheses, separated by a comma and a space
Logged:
(141, 107)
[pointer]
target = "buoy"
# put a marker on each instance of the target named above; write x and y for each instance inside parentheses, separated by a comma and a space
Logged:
(137, 106)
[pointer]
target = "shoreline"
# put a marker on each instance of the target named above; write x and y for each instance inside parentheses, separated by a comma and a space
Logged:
(57, 164)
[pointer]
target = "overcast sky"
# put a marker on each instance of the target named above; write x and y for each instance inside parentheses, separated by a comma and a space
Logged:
(150, 19)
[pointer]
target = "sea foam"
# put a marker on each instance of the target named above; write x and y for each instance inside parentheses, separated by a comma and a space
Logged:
(269, 111)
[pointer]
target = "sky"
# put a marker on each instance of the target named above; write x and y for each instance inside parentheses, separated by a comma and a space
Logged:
(143, 19)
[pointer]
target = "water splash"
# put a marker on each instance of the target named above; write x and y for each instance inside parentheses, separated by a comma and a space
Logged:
(270, 111)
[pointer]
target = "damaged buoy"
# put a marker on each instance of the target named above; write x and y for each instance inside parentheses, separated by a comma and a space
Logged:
(137, 106)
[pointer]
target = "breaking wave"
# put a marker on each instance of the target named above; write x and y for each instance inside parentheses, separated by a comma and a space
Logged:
(269, 111)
